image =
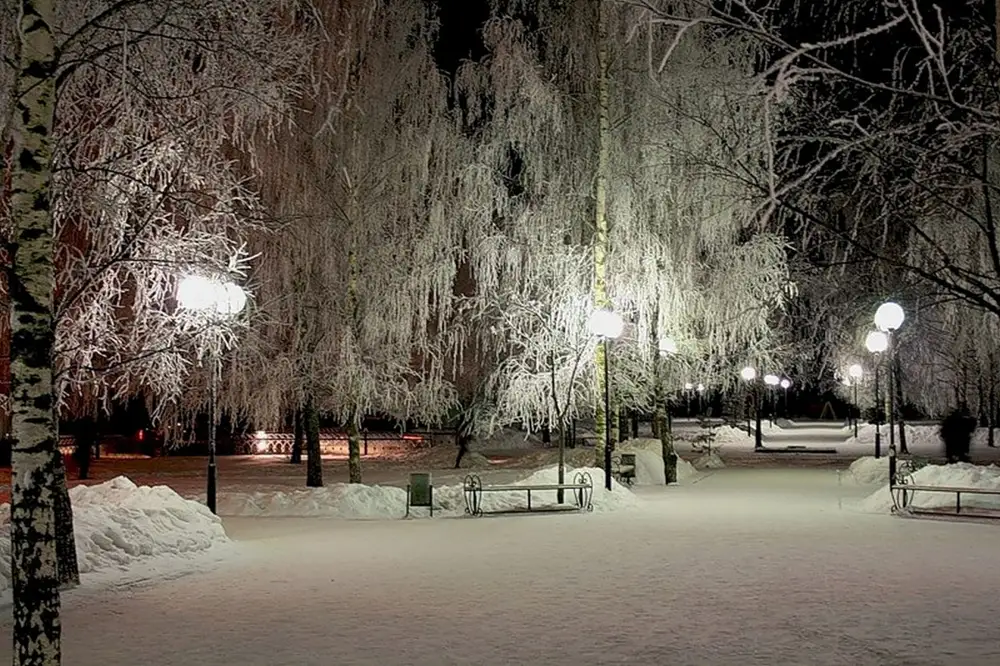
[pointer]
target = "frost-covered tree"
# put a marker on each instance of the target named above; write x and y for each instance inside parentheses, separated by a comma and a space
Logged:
(350, 288)
(680, 256)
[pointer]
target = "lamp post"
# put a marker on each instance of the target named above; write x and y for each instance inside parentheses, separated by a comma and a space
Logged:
(888, 318)
(606, 325)
(786, 384)
(219, 300)
(749, 374)
(667, 348)
(856, 372)
(772, 382)
(877, 342)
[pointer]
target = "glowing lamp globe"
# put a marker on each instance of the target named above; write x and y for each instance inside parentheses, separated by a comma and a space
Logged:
(701, 388)
(771, 380)
(748, 374)
(668, 345)
(606, 324)
(889, 316)
(877, 342)
(856, 371)
(786, 384)
(688, 386)
(196, 292)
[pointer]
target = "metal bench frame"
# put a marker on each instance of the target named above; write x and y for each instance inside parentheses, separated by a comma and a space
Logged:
(903, 488)
(473, 488)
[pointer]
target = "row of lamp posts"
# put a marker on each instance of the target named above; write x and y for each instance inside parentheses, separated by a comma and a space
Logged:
(772, 381)
(888, 318)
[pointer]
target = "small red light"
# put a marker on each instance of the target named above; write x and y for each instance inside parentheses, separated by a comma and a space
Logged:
(141, 435)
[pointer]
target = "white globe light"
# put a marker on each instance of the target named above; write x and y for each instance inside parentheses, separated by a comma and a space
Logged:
(748, 374)
(196, 292)
(877, 342)
(889, 316)
(701, 388)
(232, 299)
(856, 371)
(606, 324)
(667, 345)
(689, 386)
(786, 383)
(771, 380)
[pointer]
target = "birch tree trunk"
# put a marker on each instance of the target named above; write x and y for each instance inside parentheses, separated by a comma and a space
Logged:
(34, 566)
(69, 568)
(601, 241)
(314, 462)
(353, 450)
(660, 426)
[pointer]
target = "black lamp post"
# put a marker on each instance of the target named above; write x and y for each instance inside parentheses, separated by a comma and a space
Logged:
(606, 325)
(877, 342)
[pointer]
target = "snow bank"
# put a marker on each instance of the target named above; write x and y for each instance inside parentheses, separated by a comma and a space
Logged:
(709, 461)
(339, 500)
(963, 475)
(649, 462)
(118, 523)
(509, 439)
(869, 470)
(360, 502)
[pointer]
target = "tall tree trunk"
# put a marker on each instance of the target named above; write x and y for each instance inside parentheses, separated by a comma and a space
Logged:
(898, 389)
(314, 460)
(69, 567)
(35, 477)
(353, 450)
(601, 239)
(992, 411)
(84, 439)
(297, 436)
(660, 425)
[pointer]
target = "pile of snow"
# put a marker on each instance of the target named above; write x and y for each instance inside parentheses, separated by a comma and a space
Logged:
(118, 523)
(709, 461)
(869, 470)
(339, 500)
(962, 475)
(358, 501)
(649, 462)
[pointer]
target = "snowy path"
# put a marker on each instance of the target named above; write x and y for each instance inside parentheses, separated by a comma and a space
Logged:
(743, 567)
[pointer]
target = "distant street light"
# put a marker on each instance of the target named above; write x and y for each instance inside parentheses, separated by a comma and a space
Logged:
(772, 382)
(749, 374)
(607, 325)
(856, 372)
(785, 384)
(889, 317)
(219, 299)
(877, 342)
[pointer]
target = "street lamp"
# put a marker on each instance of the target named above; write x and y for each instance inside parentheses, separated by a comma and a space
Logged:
(877, 342)
(772, 381)
(785, 384)
(856, 372)
(218, 299)
(607, 325)
(888, 318)
(749, 374)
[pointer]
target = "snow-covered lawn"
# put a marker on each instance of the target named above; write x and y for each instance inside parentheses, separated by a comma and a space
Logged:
(738, 567)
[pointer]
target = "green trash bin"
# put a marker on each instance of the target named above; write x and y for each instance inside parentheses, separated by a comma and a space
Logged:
(420, 492)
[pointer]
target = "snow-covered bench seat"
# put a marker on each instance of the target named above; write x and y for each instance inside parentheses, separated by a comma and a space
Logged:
(582, 489)
(903, 489)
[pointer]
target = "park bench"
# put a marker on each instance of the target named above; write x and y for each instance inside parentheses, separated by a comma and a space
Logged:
(623, 468)
(903, 488)
(582, 489)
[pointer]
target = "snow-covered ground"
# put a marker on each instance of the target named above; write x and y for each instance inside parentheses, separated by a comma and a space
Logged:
(741, 566)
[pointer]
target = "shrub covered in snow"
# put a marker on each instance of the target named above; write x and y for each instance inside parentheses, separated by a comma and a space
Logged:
(118, 523)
